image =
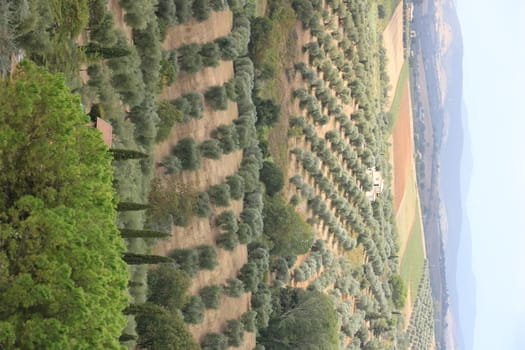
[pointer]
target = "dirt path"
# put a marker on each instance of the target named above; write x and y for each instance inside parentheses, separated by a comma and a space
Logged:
(393, 43)
(217, 25)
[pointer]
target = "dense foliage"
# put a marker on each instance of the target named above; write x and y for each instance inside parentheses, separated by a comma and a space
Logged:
(62, 282)
(302, 320)
(286, 229)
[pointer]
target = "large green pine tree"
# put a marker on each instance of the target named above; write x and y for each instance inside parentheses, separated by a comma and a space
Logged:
(62, 279)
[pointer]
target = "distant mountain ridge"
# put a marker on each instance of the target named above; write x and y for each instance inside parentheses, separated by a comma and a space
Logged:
(456, 168)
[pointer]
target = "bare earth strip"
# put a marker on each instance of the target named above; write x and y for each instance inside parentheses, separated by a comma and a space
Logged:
(198, 129)
(214, 320)
(200, 81)
(402, 148)
(406, 216)
(393, 43)
(405, 187)
(213, 172)
(217, 25)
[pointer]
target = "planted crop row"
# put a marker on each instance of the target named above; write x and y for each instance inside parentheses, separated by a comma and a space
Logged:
(421, 327)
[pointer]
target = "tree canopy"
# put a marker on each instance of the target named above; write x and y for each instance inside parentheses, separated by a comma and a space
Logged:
(62, 279)
(305, 320)
(287, 230)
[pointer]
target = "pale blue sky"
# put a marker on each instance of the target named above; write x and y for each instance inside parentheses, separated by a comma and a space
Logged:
(494, 93)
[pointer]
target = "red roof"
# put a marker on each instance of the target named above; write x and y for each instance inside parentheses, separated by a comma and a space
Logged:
(106, 129)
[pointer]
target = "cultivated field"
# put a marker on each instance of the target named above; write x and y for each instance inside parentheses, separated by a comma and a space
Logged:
(393, 43)
(406, 197)
(252, 197)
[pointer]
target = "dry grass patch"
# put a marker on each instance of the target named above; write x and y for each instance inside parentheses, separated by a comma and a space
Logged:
(393, 43)
(402, 148)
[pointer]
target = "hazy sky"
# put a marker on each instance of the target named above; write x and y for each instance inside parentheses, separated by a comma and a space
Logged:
(494, 93)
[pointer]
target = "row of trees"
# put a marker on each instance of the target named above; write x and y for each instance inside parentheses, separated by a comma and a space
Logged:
(421, 326)
(342, 54)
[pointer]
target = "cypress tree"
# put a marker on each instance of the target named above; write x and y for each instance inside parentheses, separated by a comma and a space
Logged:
(125, 206)
(124, 154)
(130, 233)
(138, 259)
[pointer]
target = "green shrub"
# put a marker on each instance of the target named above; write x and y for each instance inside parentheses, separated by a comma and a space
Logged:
(207, 257)
(187, 151)
(280, 266)
(233, 288)
(168, 115)
(299, 275)
(211, 54)
(196, 104)
(104, 31)
(219, 195)
(248, 321)
(268, 112)
(287, 230)
(253, 218)
(231, 90)
(148, 44)
(166, 13)
(167, 287)
(227, 136)
(193, 311)
(244, 233)
(211, 296)
(236, 184)
(227, 241)
(228, 47)
(163, 330)
(202, 205)
(184, 11)
(214, 341)
(211, 149)
(249, 275)
(218, 5)
(201, 9)
(138, 12)
(216, 97)
(272, 177)
(399, 291)
(295, 200)
(262, 304)
(227, 221)
(187, 259)
(169, 68)
(304, 11)
(234, 331)
(189, 59)
(127, 78)
(381, 13)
